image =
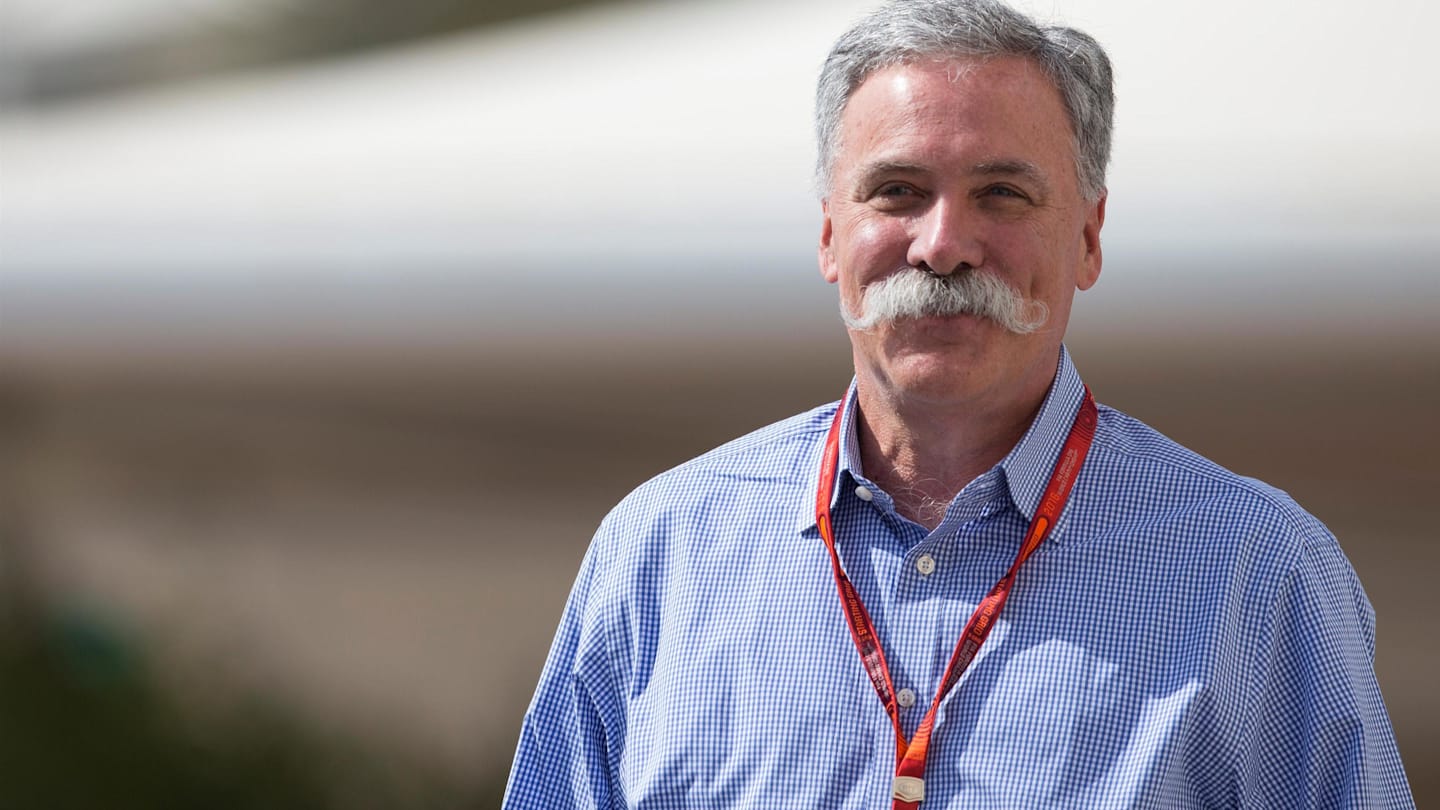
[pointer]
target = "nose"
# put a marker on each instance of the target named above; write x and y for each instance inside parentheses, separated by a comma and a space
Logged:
(946, 239)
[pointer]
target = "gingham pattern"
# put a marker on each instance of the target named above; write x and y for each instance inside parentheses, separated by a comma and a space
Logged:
(1186, 638)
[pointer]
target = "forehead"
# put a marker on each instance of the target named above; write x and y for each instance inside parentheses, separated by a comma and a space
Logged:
(975, 110)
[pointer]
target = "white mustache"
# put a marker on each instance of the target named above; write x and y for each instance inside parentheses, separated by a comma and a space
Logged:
(915, 293)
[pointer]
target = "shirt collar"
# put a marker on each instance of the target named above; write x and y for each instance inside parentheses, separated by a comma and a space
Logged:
(1029, 464)
(1026, 468)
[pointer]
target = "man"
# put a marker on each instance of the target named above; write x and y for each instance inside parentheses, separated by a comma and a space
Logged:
(964, 585)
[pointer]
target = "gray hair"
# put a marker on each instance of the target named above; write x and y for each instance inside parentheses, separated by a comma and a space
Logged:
(907, 31)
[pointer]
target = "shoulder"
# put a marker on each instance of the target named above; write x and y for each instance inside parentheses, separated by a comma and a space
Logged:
(750, 486)
(727, 513)
(1247, 546)
(773, 451)
(1139, 475)
(777, 454)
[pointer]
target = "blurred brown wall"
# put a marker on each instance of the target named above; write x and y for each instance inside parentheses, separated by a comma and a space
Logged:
(387, 543)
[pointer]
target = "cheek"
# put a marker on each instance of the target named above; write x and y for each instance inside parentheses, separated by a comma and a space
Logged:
(871, 248)
(1035, 258)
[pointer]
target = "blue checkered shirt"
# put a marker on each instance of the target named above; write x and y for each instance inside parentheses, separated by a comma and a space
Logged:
(1185, 638)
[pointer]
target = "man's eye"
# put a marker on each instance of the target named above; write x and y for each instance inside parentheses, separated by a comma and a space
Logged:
(895, 196)
(1002, 191)
(894, 190)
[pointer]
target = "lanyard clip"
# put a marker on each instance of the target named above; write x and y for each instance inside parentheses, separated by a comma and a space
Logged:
(909, 789)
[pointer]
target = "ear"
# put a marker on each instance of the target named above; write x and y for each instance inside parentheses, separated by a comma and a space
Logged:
(1090, 262)
(829, 269)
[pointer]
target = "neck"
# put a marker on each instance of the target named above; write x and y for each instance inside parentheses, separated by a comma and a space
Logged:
(924, 452)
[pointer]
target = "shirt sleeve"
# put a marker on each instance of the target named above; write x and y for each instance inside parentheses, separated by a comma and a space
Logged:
(562, 760)
(1322, 737)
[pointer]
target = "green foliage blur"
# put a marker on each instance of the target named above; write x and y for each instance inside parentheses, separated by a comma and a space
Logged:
(85, 724)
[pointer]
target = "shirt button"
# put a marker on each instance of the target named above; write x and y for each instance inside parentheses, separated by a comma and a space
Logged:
(925, 565)
(864, 494)
(905, 697)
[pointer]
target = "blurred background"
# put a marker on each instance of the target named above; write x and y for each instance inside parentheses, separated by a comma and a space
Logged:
(330, 329)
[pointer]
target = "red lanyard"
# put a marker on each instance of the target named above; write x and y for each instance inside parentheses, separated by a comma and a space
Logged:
(909, 786)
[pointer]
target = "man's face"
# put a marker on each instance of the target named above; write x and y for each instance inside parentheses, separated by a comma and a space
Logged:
(957, 164)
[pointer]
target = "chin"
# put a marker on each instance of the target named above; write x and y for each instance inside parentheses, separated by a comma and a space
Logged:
(956, 359)
(940, 375)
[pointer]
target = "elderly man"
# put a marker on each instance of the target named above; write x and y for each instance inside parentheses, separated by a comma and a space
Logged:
(964, 585)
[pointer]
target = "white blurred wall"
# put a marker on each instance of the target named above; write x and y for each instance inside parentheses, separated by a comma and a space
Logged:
(662, 152)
